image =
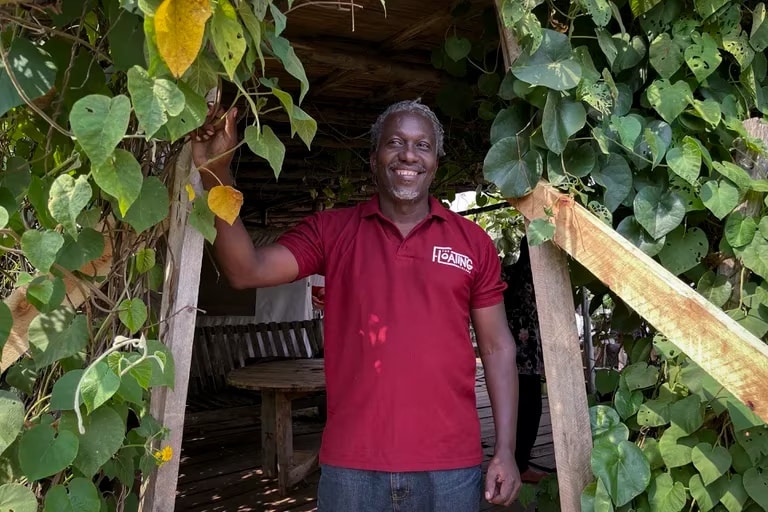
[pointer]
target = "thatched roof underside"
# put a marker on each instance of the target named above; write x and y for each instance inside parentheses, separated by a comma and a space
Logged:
(354, 75)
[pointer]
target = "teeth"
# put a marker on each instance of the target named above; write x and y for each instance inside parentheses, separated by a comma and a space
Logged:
(401, 172)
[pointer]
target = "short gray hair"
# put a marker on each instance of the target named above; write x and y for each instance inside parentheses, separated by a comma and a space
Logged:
(415, 107)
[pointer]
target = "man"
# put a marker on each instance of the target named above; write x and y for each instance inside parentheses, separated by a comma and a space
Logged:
(403, 278)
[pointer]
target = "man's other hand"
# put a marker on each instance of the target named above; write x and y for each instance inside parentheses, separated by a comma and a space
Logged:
(213, 143)
(502, 482)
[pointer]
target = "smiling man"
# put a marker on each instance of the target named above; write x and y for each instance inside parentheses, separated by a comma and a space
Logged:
(404, 277)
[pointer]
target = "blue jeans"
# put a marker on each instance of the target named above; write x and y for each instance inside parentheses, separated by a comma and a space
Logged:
(353, 490)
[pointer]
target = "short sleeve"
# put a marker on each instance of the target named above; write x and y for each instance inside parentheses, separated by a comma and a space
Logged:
(305, 241)
(488, 286)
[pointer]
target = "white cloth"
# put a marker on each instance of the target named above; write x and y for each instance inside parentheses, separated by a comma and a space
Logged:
(287, 302)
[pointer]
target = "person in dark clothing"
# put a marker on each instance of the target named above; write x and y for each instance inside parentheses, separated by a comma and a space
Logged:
(520, 304)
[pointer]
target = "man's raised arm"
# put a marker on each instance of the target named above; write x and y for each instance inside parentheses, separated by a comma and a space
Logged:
(244, 265)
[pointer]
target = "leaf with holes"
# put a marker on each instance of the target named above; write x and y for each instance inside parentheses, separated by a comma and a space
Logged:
(191, 117)
(68, 197)
(640, 7)
(758, 36)
(225, 202)
(132, 313)
(685, 160)
(513, 166)
(666, 55)
(659, 212)
(266, 145)
(720, 197)
(154, 99)
(707, 8)
(551, 65)
(99, 123)
(562, 118)
(739, 230)
(179, 30)
(738, 45)
(41, 247)
(630, 229)
(669, 100)
(703, 56)
(77, 495)
(683, 249)
(228, 37)
(715, 288)
(600, 10)
(17, 498)
(640, 376)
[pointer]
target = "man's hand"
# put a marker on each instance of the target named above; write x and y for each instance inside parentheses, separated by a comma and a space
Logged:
(212, 144)
(502, 482)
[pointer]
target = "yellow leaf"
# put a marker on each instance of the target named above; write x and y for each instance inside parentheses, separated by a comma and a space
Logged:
(225, 202)
(190, 192)
(180, 26)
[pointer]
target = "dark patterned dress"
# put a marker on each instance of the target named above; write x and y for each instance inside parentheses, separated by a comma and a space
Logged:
(520, 304)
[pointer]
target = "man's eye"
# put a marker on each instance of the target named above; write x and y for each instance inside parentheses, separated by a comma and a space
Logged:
(424, 145)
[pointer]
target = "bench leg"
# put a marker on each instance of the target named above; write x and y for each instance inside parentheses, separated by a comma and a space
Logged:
(284, 441)
(268, 434)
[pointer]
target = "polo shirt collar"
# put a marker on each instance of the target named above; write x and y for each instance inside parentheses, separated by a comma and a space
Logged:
(371, 208)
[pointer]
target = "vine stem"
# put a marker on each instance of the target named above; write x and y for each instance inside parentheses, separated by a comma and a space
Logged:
(25, 98)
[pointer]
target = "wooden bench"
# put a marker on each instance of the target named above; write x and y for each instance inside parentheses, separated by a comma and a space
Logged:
(226, 343)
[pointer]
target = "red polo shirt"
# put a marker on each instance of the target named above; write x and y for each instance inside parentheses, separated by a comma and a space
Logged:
(399, 363)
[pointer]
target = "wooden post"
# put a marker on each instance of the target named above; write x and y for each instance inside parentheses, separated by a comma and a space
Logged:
(178, 313)
(571, 432)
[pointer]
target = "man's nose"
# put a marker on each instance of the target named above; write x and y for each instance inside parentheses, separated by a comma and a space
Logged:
(407, 153)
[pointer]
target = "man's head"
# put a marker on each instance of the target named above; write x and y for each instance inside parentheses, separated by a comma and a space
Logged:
(407, 141)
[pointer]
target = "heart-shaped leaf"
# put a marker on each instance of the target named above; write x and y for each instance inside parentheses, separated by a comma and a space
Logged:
(41, 247)
(666, 494)
(675, 448)
(513, 166)
(622, 468)
(755, 256)
(735, 496)
(56, 335)
(150, 207)
(17, 498)
(630, 229)
(703, 56)
(706, 497)
(267, 146)
(202, 218)
(99, 383)
(75, 254)
(34, 70)
(629, 129)
(711, 461)
(11, 418)
(99, 123)
(640, 376)
(78, 495)
(739, 230)
(684, 249)
(756, 484)
(154, 99)
(758, 36)
(606, 425)
(104, 434)
(457, 47)
(63, 395)
(720, 197)
(658, 211)
(685, 160)
(179, 29)
(68, 197)
(653, 413)
(551, 65)
(669, 100)
(120, 176)
(616, 177)
(715, 287)
(562, 118)
(627, 403)
(736, 174)
(227, 36)
(133, 314)
(600, 10)
(666, 55)
(43, 453)
(225, 202)
(708, 110)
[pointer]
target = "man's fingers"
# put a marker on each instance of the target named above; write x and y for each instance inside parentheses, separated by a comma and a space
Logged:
(491, 489)
(509, 491)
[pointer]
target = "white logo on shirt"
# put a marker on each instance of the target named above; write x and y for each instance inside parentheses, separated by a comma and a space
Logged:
(447, 256)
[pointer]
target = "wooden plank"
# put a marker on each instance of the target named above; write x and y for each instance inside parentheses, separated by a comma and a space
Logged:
(22, 312)
(269, 432)
(716, 342)
(177, 317)
(283, 441)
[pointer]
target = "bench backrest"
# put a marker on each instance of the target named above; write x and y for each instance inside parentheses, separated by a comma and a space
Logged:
(224, 343)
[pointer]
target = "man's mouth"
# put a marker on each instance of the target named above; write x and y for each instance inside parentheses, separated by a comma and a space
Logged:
(407, 173)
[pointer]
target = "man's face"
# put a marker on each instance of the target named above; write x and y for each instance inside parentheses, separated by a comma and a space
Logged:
(406, 159)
